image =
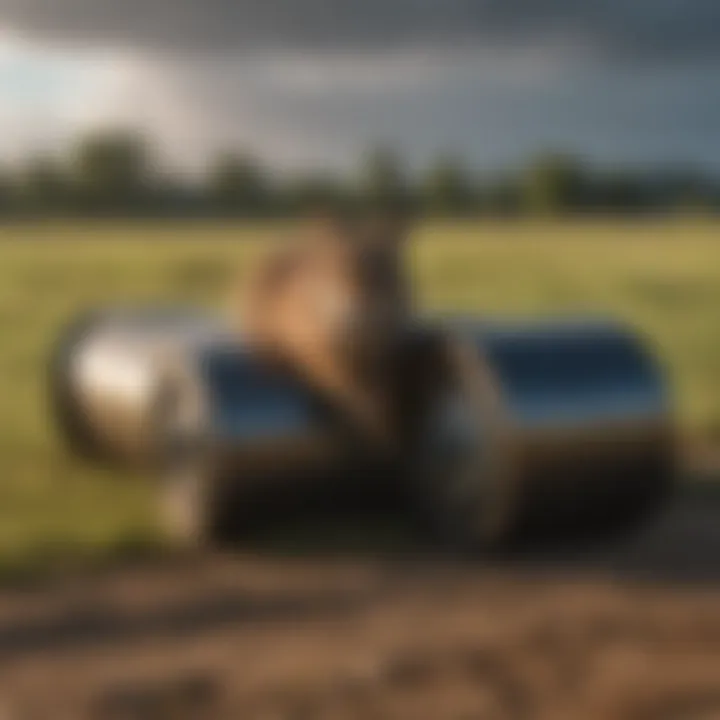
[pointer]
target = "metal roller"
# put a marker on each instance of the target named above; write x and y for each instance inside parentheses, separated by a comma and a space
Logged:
(520, 426)
(105, 374)
(556, 425)
(173, 391)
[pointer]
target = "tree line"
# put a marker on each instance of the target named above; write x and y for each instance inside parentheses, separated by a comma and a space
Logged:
(115, 174)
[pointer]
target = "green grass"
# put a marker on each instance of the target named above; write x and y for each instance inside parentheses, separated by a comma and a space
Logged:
(663, 277)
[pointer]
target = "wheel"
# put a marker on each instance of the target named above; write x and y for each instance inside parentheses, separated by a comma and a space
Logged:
(196, 510)
(458, 493)
(463, 480)
(72, 426)
(196, 506)
(635, 511)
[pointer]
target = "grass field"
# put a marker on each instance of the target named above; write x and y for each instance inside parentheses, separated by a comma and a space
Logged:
(664, 277)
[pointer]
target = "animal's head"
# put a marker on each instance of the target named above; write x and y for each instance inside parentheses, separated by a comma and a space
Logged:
(355, 281)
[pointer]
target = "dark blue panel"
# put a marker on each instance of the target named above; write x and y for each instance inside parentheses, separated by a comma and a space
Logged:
(573, 371)
(248, 401)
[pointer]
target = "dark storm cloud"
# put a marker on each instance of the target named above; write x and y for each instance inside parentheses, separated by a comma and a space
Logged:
(653, 30)
(314, 82)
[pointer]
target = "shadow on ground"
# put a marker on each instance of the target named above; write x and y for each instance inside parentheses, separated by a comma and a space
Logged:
(679, 544)
(680, 547)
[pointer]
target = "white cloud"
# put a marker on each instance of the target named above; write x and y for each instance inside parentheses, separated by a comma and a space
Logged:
(43, 92)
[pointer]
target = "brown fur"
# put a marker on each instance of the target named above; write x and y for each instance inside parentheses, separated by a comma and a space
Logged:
(332, 304)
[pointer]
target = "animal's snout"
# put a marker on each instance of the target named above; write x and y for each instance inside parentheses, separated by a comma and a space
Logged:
(371, 334)
(337, 308)
(358, 324)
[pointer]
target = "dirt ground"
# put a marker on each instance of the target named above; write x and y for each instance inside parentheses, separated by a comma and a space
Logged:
(631, 631)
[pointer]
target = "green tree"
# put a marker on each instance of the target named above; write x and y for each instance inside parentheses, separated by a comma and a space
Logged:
(688, 190)
(383, 182)
(237, 184)
(315, 191)
(113, 171)
(553, 184)
(5, 192)
(502, 196)
(620, 191)
(447, 189)
(43, 186)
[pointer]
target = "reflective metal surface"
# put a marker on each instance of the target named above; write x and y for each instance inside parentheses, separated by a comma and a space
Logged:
(254, 421)
(525, 425)
(125, 383)
(552, 423)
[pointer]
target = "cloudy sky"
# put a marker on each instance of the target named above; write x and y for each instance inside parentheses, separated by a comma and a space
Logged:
(314, 82)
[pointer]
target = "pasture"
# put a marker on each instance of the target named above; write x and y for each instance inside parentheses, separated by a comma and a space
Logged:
(662, 276)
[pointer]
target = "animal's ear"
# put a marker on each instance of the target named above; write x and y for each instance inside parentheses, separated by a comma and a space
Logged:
(390, 229)
(326, 224)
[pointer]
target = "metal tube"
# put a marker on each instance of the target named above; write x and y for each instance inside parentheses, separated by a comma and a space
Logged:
(557, 424)
(105, 374)
(533, 424)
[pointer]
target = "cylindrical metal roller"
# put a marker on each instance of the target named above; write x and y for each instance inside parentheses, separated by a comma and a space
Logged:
(521, 425)
(105, 374)
(555, 425)
(173, 390)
